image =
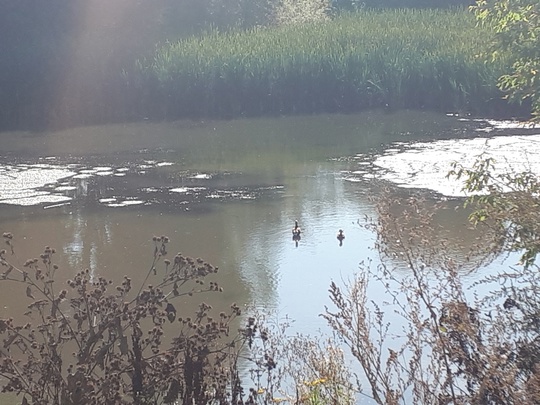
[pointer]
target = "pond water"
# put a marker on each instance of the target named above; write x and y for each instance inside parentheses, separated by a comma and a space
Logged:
(230, 191)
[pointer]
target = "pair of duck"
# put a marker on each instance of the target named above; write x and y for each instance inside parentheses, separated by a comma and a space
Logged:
(296, 231)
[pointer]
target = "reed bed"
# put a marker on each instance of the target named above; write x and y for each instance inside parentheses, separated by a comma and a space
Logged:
(393, 58)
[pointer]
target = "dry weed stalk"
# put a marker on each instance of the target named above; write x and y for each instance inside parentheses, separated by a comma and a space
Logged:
(298, 369)
(451, 346)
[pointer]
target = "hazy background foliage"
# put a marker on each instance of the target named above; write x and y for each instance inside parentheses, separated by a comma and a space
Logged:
(62, 62)
(368, 59)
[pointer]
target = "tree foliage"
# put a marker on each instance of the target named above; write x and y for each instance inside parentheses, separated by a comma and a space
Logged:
(517, 27)
(508, 203)
(63, 62)
(300, 11)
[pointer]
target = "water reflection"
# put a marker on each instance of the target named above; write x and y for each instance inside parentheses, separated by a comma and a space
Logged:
(22, 184)
(296, 233)
(230, 192)
(116, 187)
(413, 226)
(39, 183)
(296, 239)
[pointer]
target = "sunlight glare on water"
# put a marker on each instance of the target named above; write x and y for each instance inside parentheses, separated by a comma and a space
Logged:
(19, 184)
(288, 278)
(425, 165)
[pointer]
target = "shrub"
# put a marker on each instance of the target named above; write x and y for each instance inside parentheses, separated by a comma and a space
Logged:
(96, 343)
(433, 338)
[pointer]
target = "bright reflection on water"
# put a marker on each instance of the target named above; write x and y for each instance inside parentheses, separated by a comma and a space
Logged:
(19, 184)
(425, 165)
(228, 192)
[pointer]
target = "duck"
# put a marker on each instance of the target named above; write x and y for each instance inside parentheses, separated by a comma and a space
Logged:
(296, 231)
(340, 237)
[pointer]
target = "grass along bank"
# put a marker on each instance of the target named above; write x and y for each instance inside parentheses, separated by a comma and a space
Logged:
(407, 58)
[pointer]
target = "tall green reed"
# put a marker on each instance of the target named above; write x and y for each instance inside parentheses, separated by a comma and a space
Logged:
(395, 58)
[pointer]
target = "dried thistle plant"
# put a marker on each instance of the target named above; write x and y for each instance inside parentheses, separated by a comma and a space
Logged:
(96, 343)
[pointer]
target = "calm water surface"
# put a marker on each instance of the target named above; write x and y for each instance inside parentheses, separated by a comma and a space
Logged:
(229, 192)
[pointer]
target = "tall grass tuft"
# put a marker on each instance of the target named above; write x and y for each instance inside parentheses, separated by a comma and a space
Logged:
(407, 58)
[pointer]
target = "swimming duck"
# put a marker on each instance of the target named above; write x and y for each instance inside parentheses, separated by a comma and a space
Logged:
(296, 231)
(340, 237)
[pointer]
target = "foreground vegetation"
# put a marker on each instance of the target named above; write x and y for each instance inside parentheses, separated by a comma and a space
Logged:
(98, 341)
(87, 343)
(393, 58)
(452, 340)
